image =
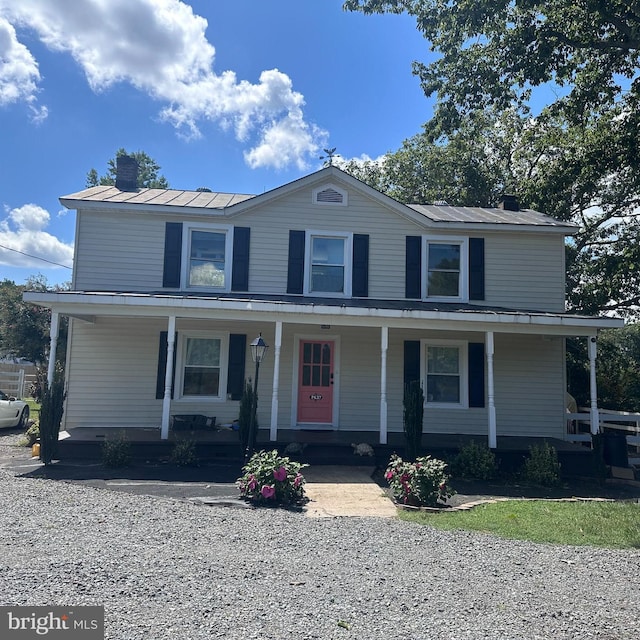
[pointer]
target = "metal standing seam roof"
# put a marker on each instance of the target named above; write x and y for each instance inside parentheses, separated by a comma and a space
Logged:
(448, 213)
(161, 197)
(219, 201)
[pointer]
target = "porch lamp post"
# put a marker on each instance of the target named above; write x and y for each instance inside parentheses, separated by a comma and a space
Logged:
(258, 352)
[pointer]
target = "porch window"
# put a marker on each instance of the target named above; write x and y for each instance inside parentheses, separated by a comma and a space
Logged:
(445, 374)
(328, 264)
(208, 252)
(445, 265)
(201, 366)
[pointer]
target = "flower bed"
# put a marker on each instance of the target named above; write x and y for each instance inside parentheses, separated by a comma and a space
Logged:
(272, 480)
(423, 483)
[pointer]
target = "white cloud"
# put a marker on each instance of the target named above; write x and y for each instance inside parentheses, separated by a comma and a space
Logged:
(159, 47)
(19, 74)
(24, 239)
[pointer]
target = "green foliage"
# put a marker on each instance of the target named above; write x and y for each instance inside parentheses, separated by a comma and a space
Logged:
(424, 482)
(542, 466)
(117, 452)
(413, 414)
(50, 417)
(248, 403)
(269, 479)
(615, 525)
(474, 461)
(24, 327)
(184, 454)
(148, 172)
(490, 53)
(31, 435)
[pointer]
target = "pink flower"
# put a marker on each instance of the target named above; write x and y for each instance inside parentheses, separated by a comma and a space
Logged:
(268, 491)
(297, 480)
(252, 483)
(388, 475)
(280, 474)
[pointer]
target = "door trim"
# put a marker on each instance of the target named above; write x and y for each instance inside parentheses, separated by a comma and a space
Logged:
(297, 338)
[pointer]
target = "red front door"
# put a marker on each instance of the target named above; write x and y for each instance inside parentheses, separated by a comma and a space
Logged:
(315, 382)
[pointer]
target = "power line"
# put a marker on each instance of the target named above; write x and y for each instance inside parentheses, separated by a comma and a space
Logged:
(64, 266)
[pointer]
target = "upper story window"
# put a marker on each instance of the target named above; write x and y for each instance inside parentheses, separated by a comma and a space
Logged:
(208, 251)
(328, 264)
(445, 265)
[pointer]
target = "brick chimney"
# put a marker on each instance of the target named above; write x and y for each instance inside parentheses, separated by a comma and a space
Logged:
(126, 173)
(509, 202)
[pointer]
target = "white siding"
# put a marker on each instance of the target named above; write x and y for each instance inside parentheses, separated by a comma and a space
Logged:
(119, 252)
(525, 271)
(113, 366)
(124, 251)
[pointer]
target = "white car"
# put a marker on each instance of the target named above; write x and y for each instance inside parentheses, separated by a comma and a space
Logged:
(13, 412)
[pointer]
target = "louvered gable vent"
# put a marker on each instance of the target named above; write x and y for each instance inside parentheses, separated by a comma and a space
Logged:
(328, 194)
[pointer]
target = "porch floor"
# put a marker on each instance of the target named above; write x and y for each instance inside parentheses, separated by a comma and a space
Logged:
(395, 440)
(320, 447)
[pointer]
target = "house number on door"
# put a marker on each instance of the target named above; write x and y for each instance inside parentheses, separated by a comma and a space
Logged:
(315, 396)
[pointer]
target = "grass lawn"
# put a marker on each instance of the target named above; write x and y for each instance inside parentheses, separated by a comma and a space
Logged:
(34, 408)
(615, 525)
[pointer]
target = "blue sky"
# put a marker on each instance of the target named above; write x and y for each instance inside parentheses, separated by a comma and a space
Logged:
(236, 96)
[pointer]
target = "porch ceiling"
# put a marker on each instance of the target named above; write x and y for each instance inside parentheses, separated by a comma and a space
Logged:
(409, 314)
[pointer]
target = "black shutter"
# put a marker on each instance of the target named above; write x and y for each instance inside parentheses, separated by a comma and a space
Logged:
(476, 268)
(413, 267)
(476, 374)
(162, 365)
(360, 272)
(235, 371)
(411, 361)
(295, 272)
(240, 268)
(172, 255)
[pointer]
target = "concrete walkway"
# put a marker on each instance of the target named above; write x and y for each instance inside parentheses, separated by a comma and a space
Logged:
(336, 491)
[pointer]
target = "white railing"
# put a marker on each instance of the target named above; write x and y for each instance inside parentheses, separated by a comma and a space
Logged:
(579, 424)
(16, 383)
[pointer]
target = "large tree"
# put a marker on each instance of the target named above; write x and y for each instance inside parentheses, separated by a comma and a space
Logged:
(148, 172)
(24, 327)
(491, 53)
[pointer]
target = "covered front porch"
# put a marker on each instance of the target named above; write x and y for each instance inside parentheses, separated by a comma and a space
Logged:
(521, 364)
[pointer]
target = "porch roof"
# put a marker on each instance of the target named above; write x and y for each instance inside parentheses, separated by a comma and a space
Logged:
(316, 310)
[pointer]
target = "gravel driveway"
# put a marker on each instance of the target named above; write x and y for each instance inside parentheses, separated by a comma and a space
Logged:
(168, 569)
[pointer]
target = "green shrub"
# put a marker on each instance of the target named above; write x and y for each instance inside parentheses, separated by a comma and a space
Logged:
(269, 479)
(31, 435)
(184, 454)
(542, 466)
(420, 483)
(50, 418)
(412, 418)
(117, 452)
(474, 461)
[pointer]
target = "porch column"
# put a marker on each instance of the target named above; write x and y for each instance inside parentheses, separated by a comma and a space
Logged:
(273, 431)
(168, 378)
(384, 346)
(595, 414)
(493, 440)
(53, 344)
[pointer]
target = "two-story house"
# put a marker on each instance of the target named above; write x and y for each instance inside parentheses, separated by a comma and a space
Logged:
(355, 293)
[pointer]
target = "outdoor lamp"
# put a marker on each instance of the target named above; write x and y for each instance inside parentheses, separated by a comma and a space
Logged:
(258, 352)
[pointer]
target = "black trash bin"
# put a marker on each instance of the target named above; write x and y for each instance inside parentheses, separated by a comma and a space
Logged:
(614, 449)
